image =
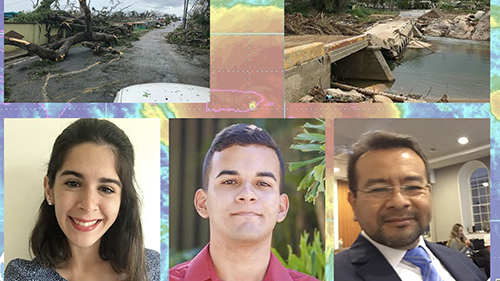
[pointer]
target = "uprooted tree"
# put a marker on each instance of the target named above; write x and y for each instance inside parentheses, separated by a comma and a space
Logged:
(86, 31)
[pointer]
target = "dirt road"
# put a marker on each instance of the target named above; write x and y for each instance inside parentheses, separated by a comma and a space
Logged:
(84, 77)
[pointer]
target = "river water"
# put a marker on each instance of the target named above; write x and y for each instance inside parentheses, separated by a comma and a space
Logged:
(459, 68)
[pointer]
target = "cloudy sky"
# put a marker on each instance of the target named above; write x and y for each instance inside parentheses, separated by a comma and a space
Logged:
(164, 6)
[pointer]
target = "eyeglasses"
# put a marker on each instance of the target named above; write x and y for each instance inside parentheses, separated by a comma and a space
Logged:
(385, 192)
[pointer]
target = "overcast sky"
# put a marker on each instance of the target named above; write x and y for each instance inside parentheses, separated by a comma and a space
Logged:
(164, 6)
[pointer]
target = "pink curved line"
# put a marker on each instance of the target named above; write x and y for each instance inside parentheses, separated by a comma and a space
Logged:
(232, 109)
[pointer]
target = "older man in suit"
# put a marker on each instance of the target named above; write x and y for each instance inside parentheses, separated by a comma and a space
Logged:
(390, 195)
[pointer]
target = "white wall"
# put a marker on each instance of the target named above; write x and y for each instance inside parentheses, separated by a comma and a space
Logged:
(28, 143)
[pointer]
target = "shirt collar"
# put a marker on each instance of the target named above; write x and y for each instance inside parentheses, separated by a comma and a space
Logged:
(202, 268)
(395, 256)
(276, 271)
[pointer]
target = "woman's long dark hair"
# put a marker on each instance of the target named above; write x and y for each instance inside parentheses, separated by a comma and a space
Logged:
(122, 245)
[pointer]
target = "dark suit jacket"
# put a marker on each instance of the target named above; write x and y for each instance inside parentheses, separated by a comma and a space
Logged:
(364, 262)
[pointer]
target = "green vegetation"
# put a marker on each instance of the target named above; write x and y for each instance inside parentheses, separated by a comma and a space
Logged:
(298, 6)
(312, 256)
(363, 8)
(182, 256)
(200, 18)
(134, 37)
(455, 9)
(197, 31)
(190, 37)
(34, 16)
(44, 63)
(40, 68)
(363, 13)
(314, 181)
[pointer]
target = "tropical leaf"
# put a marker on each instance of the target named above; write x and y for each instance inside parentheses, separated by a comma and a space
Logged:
(296, 165)
(306, 147)
(310, 137)
(319, 172)
(314, 181)
(320, 127)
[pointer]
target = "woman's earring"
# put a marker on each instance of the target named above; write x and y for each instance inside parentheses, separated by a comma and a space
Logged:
(49, 202)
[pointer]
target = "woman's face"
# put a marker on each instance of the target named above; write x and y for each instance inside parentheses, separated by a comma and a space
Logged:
(86, 194)
(460, 232)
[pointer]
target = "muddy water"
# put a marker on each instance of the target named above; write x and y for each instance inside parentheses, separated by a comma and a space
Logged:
(459, 68)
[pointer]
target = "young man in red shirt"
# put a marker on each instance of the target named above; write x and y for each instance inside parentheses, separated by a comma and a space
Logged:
(241, 196)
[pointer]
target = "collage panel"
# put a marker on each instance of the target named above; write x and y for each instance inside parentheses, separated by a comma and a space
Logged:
(386, 189)
(76, 190)
(145, 51)
(228, 198)
(267, 59)
(248, 68)
(387, 52)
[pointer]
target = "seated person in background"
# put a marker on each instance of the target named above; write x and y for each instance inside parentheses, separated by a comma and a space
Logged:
(243, 173)
(390, 195)
(457, 239)
(487, 238)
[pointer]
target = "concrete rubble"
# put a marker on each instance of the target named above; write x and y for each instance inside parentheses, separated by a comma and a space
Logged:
(335, 95)
(472, 26)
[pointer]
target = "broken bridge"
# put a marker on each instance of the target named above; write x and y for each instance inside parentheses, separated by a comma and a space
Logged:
(311, 60)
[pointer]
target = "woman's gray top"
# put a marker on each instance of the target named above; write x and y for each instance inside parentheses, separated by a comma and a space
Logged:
(25, 270)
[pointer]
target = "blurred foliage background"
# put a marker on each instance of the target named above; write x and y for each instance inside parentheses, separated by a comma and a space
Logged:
(189, 140)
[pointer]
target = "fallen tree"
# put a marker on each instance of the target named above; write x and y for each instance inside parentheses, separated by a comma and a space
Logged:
(58, 51)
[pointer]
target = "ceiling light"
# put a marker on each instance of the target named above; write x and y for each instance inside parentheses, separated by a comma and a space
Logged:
(463, 140)
(336, 169)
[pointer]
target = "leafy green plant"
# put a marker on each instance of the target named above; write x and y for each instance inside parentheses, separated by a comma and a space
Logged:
(182, 256)
(361, 12)
(312, 256)
(44, 63)
(314, 181)
(33, 16)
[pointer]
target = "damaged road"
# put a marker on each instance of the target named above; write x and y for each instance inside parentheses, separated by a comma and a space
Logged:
(85, 77)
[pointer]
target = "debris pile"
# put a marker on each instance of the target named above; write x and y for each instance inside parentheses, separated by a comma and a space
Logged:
(349, 94)
(190, 36)
(297, 24)
(470, 26)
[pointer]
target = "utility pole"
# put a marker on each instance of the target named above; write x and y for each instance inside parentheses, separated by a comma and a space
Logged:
(184, 20)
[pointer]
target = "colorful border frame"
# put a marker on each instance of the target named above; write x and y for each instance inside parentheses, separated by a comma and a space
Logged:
(255, 106)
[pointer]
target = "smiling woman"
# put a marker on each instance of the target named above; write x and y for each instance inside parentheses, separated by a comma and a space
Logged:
(89, 225)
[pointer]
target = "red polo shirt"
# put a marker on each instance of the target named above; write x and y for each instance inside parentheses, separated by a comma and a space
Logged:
(201, 268)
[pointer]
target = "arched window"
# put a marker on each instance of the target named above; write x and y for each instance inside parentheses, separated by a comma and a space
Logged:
(480, 191)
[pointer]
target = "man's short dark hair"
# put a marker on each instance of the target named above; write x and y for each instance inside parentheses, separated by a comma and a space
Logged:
(242, 135)
(381, 140)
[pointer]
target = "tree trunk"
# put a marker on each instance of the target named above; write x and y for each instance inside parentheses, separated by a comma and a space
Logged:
(59, 50)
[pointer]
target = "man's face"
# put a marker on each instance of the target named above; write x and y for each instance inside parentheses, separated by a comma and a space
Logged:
(243, 201)
(399, 220)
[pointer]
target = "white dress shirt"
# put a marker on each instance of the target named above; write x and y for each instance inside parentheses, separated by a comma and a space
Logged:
(405, 269)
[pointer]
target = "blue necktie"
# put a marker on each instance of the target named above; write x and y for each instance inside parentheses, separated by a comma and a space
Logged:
(420, 258)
